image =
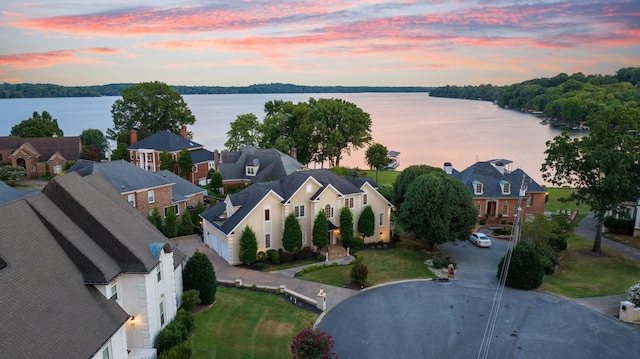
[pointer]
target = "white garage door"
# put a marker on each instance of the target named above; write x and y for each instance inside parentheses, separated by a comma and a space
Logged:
(219, 245)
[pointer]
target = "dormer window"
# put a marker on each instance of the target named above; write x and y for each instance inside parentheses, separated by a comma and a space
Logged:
(477, 187)
(250, 170)
(506, 187)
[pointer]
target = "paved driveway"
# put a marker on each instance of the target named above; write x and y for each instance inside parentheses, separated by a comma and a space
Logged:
(476, 264)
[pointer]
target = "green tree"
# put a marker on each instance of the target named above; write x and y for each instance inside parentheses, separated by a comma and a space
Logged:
(37, 126)
(248, 246)
(603, 166)
(245, 130)
(367, 222)
(292, 234)
(438, 208)
(120, 153)
(320, 230)
(198, 274)
(94, 144)
(346, 226)
(155, 218)
(376, 157)
(171, 223)
(185, 223)
(195, 214)
(405, 178)
(167, 162)
(185, 163)
(9, 173)
(525, 270)
(148, 107)
(215, 181)
(359, 273)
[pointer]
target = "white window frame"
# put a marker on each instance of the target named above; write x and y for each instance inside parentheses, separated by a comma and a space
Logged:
(505, 209)
(176, 209)
(348, 202)
(329, 213)
(151, 196)
(267, 214)
(267, 240)
(364, 198)
(250, 170)
(161, 311)
(106, 352)
(131, 198)
(298, 211)
(113, 290)
(57, 168)
(478, 208)
(478, 187)
(132, 155)
(381, 219)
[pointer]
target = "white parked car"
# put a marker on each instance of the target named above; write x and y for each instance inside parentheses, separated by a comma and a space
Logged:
(480, 239)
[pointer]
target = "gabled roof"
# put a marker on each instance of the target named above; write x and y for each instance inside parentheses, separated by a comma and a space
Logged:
(181, 189)
(490, 177)
(122, 175)
(69, 147)
(165, 141)
(8, 193)
(273, 164)
(76, 232)
(201, 155)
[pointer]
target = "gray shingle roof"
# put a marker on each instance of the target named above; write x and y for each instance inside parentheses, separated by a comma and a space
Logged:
(8, 193)
(69, 146)
(274, 165)
(122, 175)
(165, 141)
(201, 155)
(490, 177)
(181, 189)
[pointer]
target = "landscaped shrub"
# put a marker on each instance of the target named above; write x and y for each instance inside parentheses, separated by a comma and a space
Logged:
(285, 257)
(186, 320)
(171, 223)
(313, 343)
(441, 260)
(482, 221)
(634, 294)
(557, 243)
(190, 300)
(548, 260)
(180, 351)
(262, 256)
(186, 224)
(259, 265)
(303, 253)
(395, 237)
(274, 256)
(248, 246)
(199, 275)
(525, 270)
(359, 273)
(173, 334)
(502, 231)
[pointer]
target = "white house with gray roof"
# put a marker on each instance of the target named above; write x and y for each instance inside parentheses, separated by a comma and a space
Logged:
(263, 206)
(83, 274)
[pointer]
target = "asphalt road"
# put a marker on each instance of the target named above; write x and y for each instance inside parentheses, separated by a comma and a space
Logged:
(475, 264)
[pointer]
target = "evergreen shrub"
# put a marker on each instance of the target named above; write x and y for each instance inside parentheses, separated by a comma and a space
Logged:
(525, 269)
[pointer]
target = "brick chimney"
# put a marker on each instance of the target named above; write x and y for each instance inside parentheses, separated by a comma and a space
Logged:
(216, 158)
(294, 153)
(184, 131)
(133, 137)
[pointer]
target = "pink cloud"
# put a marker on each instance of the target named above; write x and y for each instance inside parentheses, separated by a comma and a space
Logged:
(51, 58)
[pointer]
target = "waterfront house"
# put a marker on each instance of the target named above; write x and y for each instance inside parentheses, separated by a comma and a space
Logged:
(146, 153)
(145, 190)
(40, 156)
(496, 190)
(83, 274)
(263, 206)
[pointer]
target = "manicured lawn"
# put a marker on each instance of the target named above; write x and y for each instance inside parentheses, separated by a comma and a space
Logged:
(248, 324)
(385, 178)
(555, 204)
(406, 261)
(584, 274)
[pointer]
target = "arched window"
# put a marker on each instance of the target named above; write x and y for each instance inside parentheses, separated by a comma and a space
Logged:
(328, 211)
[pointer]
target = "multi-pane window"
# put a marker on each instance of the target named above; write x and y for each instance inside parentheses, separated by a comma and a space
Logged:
(176, 210)
(506, 188)
(132, 199)
(161, 305)
(348, 202)
(478, 188)
(250, 171)
(57, 168)
(105, 353)
(364, 198)
(151, 196)
(113, 288)
(267, 240)
(328, 211)
(478, 209)
(298, 211)
(505, 209)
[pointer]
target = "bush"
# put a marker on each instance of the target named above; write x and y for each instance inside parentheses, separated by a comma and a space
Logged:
(186, 224)
(173, 334)
(395, 237)
(285, 257)
(186, 319)
(313, 343)
(190, 300)
(259, 265)
(558, 244)
(359, 273)
(198, 274)
(248, 246)
(441, 260)
(548, 260)
(525, 270)
(321, 256)
(303, 253)
(262, 256)
(274, 256)
(634, 294)
(482, 221)
(180, 351)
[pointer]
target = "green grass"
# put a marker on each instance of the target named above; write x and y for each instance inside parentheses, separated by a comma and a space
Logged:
(406, 261)
(585, 274)
(555, 204)
(385, 178)
(248, 324)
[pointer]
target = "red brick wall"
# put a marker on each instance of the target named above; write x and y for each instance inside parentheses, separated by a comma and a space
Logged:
(162, 199)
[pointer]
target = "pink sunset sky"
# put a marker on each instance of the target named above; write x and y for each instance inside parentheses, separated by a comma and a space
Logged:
(332, 42)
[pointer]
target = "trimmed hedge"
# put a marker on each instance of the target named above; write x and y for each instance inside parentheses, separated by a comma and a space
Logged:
(525, 269)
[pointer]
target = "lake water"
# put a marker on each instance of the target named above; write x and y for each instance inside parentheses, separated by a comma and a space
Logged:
(425, 130)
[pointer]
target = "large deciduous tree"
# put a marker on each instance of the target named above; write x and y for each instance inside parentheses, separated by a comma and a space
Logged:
(37, 126)
(377, 157)
(438, 208)
(292, 234)
(405, 178)
(94, 144)
(245, 130)
(148, 107)
(604, 166)
(320, 230)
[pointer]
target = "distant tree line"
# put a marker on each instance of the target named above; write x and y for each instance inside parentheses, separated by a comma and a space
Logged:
(50, 90)
(569, 99)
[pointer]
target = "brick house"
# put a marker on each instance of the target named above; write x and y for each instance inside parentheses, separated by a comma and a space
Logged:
(40, 156)
(496, 190)
(146, 153)
(145, 190)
